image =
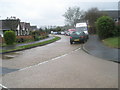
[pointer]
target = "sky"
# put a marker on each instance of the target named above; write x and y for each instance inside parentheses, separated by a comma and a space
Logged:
(48, 12)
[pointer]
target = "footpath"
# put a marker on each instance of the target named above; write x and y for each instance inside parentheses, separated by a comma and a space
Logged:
(96, 48)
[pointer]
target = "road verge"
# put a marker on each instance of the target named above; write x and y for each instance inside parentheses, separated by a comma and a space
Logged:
(19, 48)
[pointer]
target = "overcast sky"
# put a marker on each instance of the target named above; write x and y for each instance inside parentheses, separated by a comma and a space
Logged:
(48, 12)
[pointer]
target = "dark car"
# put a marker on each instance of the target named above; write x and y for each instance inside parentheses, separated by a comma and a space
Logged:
(78, 37)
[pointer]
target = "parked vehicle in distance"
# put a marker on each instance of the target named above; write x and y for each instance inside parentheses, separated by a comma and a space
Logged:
(58, 33)
(82, 27)
(62, 33)
(70, 31)
(78, 36)
(53, 32)
(67, 33)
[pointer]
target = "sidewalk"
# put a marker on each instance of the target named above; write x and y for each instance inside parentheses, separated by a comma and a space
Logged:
(96, 48)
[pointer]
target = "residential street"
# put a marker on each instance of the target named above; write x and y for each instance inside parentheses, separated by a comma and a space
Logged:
(58, 65)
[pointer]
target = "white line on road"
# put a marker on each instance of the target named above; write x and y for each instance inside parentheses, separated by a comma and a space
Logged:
(49, 60)
(2, 86)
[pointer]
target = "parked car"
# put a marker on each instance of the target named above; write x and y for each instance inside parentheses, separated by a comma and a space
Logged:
(78, 37)
(62, 33)
(67, 33)
(58, 33)
(71, 30)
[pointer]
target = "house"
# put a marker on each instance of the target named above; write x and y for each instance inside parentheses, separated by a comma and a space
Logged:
(27, 28)
(33, 28)
(9, 24)
(24, 28)
(115, 14)
(20, 28)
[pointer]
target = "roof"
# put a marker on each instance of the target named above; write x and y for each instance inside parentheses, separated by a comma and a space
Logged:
(27, 25)
(112, 13)
(9, 24)
(33, 27)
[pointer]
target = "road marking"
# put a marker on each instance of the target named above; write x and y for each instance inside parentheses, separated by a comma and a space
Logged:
(3, 86)
(50, 60)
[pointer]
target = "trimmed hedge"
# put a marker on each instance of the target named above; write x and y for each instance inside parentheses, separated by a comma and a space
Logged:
(9, 37)
(105, 27)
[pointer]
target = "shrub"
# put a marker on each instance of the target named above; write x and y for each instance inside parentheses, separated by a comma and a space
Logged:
(116, 32)
(37, 38)
(105, 27)
(9, 37)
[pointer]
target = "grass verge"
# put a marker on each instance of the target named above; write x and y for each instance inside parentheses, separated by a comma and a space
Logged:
(112, 42)
(19, 48)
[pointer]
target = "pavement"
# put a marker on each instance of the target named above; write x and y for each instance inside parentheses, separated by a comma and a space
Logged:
(96, 48)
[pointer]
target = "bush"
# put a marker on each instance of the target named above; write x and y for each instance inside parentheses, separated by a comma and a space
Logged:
(105, 27)
(116, 32)
(9, 37)
(37, 38)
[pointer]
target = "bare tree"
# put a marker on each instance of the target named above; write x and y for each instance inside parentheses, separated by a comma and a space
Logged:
(73, 15)
(91, 16)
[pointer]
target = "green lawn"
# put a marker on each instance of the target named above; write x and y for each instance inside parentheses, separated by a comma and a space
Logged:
(112, 42)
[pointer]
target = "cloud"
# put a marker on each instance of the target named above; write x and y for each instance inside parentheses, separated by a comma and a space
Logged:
(45, 12)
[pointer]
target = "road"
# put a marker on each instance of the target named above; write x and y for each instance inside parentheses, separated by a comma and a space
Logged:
(58, 65)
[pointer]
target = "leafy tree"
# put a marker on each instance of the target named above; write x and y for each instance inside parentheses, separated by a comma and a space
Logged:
(105, 27)
(9, 37)
(58, 28)
(73, 15)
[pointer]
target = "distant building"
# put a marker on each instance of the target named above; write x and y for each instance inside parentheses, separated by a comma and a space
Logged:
(33, 28)
(112, 13)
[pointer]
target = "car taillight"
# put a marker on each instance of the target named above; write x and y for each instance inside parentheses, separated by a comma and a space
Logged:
(70, 37)
(81, 36)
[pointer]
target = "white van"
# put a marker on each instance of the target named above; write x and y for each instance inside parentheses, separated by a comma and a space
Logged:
(82, 27)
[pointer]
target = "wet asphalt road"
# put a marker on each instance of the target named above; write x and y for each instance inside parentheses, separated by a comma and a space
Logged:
(22, 59)
(59, 65)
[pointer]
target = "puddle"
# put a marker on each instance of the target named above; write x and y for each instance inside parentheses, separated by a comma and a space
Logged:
(10, 55)
(4, 70)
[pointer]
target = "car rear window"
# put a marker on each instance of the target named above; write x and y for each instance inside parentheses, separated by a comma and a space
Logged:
(77, 33)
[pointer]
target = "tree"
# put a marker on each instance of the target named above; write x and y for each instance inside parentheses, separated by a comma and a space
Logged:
(105, 27)
(58, 29)
(91, 16)
(73, 15)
